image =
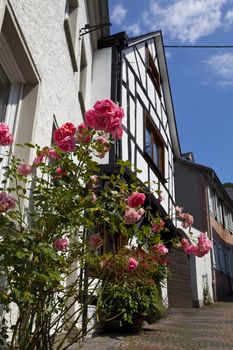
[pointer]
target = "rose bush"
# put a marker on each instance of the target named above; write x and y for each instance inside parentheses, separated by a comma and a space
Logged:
(57, 216)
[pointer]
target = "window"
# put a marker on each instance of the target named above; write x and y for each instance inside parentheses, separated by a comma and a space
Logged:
(153, 145)
(70, 25)
(222, 260)
(227, 261)
(219, 211)
(153, 71)
(18, 85)
(228, 219)
(4, 93)
(10, 91)
(82, 79)
(212, 201)
(216, 259)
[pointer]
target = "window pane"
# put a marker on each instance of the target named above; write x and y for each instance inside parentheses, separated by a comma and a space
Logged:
(155, 154)
(148, 147)
(4, 93)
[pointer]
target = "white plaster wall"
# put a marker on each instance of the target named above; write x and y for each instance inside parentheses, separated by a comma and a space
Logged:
(42, 25)
(101, 75)
(198, 268)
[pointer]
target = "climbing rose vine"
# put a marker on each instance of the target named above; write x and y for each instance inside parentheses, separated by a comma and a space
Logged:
(60, 220)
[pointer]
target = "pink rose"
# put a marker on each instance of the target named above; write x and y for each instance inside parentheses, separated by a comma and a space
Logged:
(105, 107)
(132, 216)
(6, 202)
(156, 228)
(67, 144)
(115, 123)
(61, 244)
(6, 137)
(141, 212)
(106, 116)
(179, 210)
(185, 217)
(95, 181)
(102, 146)
(59, 171)
(119, 112)
(96, 121)
(94, 197)
(83, 133)
(118, 133)
(136, 199)
(90, 118)
(95, 241)
(188, 247)
(132, 264)
(52, 154)
(24, 169)
(64, 137)
(187, 220)
(39, 159)
(204, 245)
(160, 248)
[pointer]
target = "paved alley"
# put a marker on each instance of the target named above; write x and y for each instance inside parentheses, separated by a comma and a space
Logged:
(208, 328)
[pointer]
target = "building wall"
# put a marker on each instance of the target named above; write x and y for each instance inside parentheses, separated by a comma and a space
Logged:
(49, 85)
(139, 95)
(201, 277)
(42, 27)
(191, 194)
(201, 273)
(223, 259)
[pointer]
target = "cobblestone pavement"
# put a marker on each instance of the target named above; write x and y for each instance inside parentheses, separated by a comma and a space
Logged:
(208, 328)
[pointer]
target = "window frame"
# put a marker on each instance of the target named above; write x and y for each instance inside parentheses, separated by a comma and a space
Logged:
(153, 71)
(22, 72)
(156, 139)
(13, 73)
(70, 27)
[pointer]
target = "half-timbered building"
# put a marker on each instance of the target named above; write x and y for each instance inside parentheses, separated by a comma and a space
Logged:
(133, 72)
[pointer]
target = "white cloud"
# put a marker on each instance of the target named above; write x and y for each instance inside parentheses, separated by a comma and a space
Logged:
(118, 14)
(134, 29)
(186, 20)
(222, 66)
(229, 17)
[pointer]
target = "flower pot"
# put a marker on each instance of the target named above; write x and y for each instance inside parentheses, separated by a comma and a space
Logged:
(135, 326)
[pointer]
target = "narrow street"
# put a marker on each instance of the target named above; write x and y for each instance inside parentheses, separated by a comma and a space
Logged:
(208, 328)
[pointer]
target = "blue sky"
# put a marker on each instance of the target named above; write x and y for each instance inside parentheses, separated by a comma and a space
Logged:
(201, 79)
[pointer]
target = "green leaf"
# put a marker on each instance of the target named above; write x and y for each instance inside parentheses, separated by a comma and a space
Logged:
(20, 255)
(28, 144)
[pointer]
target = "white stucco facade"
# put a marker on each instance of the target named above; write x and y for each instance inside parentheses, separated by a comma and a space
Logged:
(201, 273)
(45, 86)
(41, 25)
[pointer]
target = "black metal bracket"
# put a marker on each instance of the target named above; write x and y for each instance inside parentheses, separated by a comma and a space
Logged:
(89, 29)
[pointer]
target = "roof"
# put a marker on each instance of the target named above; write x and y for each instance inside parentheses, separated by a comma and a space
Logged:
(140, 38)
(229, 191)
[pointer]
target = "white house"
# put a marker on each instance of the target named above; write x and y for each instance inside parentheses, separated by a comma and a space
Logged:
(46, 55)
(47, 50)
